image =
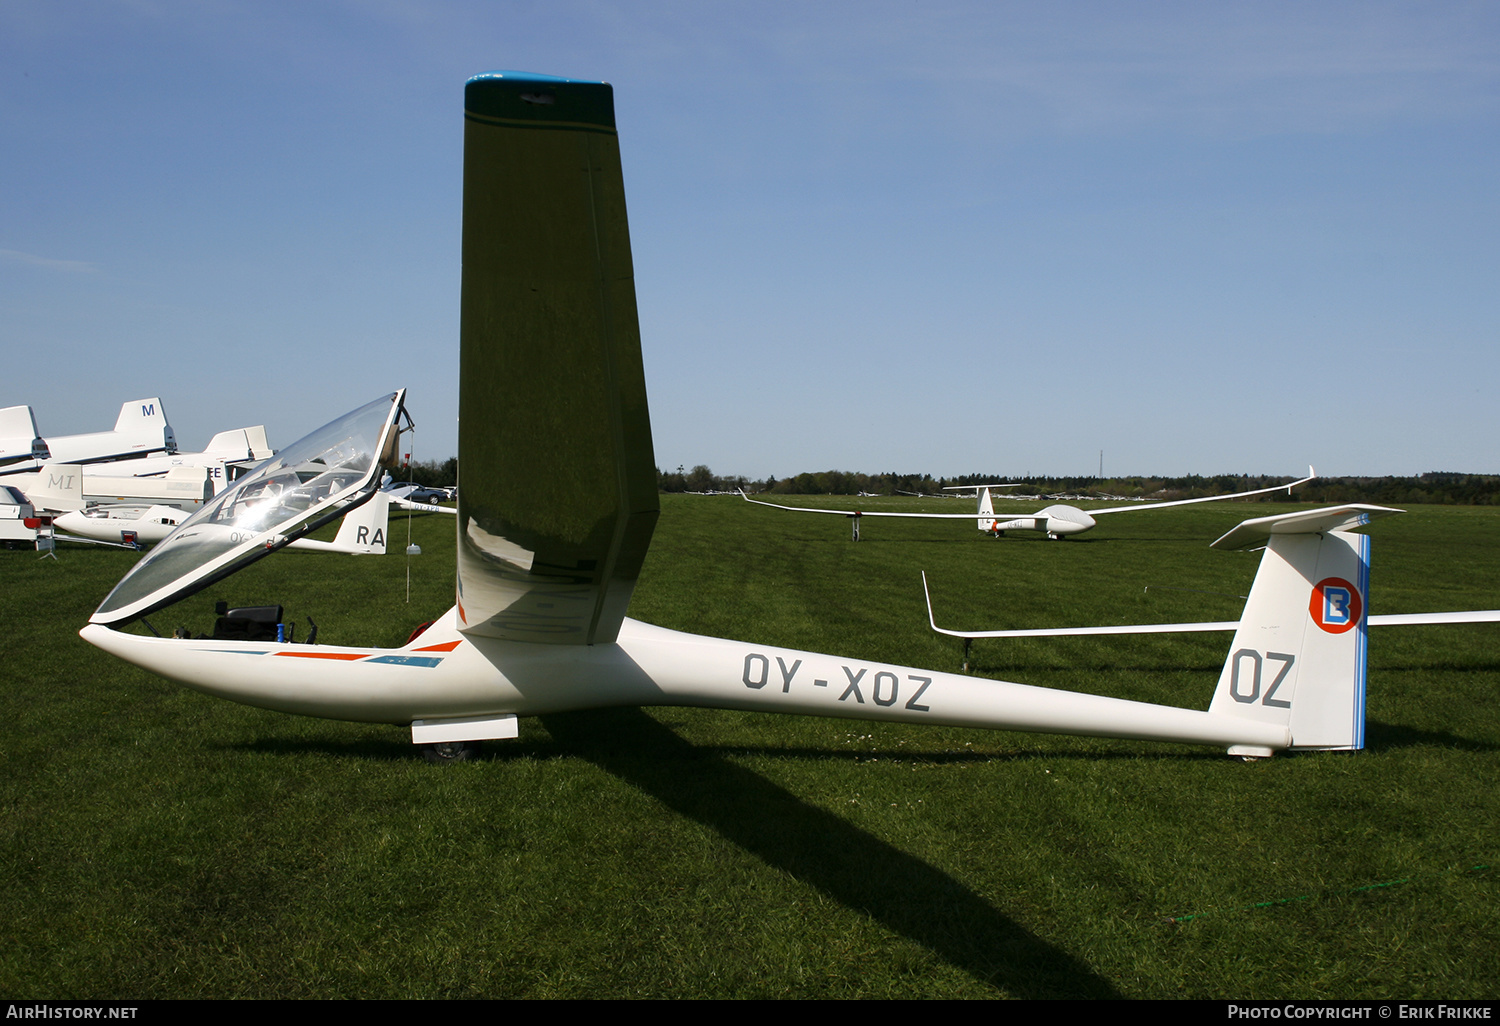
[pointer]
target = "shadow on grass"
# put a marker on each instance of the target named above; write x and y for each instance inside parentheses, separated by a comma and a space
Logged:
(372, 749)
(860, 871)
(400, 749)
(1390, 736)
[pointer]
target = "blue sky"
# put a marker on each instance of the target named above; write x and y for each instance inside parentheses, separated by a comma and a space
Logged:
(943, 237)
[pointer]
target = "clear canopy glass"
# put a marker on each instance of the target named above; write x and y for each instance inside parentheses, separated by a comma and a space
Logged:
(322, 473)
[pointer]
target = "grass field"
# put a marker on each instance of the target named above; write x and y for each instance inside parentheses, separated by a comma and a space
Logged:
(158, 843)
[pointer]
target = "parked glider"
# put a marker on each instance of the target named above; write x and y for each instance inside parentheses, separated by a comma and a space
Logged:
(363, 532)
(558, 505)
(401, 502)
(1057, 521)
(15, 513)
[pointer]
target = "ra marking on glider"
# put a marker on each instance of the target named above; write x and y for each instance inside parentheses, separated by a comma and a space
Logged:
(1057, 521)
(558, 504)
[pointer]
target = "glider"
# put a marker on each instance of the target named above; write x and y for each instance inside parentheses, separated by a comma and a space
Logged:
(1057, 521)
(363, 531)
(558, 504)
(421, 507)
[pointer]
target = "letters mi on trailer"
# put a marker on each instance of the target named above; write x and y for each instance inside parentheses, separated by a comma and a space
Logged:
(552, 402)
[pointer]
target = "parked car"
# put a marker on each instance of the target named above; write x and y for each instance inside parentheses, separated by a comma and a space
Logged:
(413, 492)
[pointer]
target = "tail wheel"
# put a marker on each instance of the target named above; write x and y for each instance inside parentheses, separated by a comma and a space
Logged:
(444, 752)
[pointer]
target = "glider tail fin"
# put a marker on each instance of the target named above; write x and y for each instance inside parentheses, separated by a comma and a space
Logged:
(1298, 656)
(145, 420)
(986, 520)
(364, 530)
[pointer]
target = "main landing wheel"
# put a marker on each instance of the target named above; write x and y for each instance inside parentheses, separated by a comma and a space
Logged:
(450, 751)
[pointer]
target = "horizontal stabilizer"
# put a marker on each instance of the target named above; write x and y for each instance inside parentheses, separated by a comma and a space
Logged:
(1252, 533)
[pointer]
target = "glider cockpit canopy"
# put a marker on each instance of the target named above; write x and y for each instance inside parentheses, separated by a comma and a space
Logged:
(302, 487)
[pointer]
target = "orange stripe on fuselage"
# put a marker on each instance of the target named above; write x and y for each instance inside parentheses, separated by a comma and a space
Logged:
(324, 655)
(447, 646)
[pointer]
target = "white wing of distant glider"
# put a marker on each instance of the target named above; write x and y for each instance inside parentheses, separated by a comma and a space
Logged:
(1056, 520)
(863, 513)
(1250, 534)
(1311, 475)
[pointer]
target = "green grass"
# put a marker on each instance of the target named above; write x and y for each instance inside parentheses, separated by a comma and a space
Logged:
(158, 843)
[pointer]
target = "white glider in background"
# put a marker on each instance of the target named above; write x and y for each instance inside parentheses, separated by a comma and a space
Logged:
(421, 507)
(1057, 521)
(559, 501)
(363, 532)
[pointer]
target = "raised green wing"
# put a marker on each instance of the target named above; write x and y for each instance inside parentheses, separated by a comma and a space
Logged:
(557, 493)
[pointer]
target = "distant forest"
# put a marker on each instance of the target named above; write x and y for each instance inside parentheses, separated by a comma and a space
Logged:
(1443, 488)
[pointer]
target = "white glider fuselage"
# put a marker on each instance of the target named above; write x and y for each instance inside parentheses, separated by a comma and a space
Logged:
(445, 675)
(149, 525)
(1056, 521)
(362, 532)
